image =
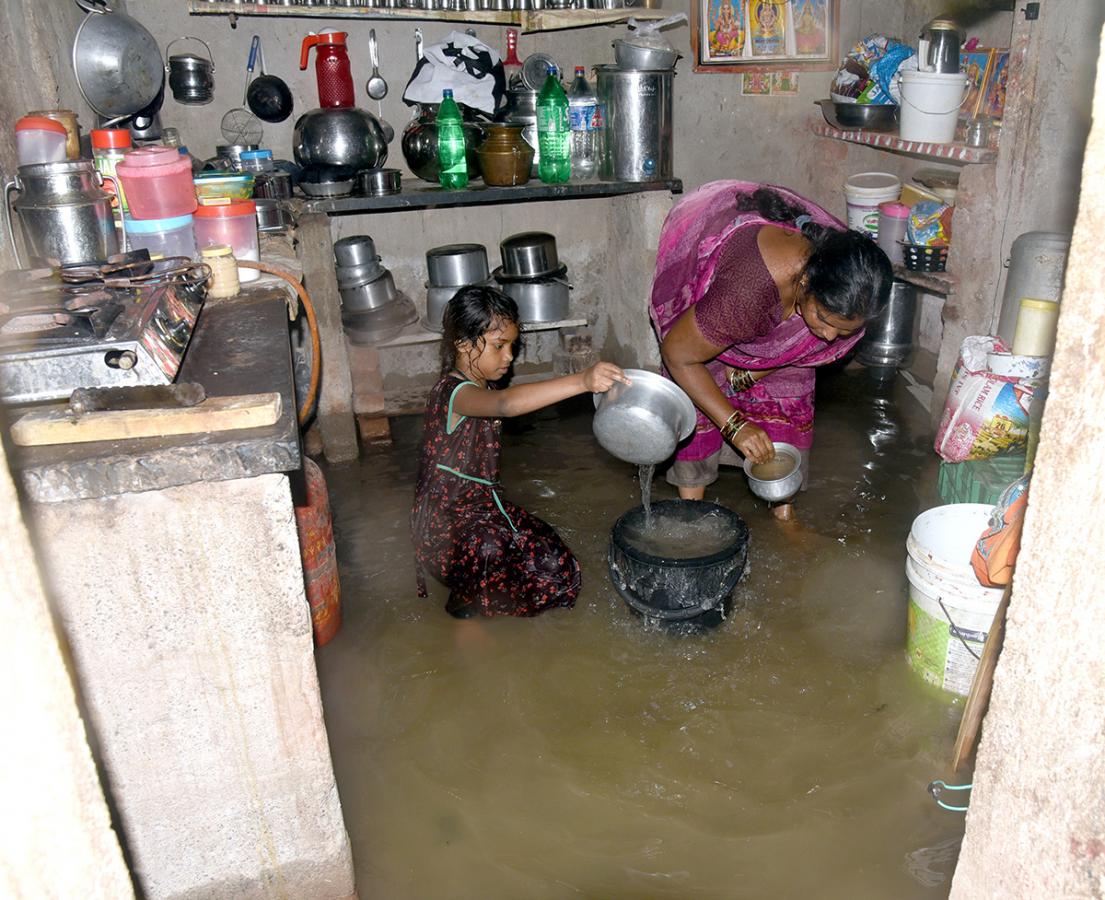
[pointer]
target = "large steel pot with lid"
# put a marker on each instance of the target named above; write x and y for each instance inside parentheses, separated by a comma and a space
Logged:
(116, 61)
(531, 254)
(638, 108)
(64, 213)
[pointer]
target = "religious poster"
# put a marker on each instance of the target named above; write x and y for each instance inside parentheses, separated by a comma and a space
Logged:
(767, 27)
(726, 28)
(811, 27)
(756, 83)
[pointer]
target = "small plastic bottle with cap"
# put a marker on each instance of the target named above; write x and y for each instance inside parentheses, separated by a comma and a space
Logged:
(224, 271)
(893, 219)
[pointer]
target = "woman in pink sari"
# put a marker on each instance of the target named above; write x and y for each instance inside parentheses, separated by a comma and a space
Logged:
(755, 287)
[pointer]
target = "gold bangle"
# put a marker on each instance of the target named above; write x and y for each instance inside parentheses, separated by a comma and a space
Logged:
(733, 425)
(741, 380)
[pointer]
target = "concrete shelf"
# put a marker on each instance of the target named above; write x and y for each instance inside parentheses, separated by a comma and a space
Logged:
(527, 20)
(428, 196)
(952, 153)
(417, 333)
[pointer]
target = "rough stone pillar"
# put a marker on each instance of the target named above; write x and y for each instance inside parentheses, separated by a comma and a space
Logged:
(191, 641)
(55, 827)
(635, 222)
(1036, 825)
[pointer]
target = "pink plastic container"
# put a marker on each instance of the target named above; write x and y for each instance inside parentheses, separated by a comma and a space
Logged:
(157, 182)
(232, 222)
(40, 140)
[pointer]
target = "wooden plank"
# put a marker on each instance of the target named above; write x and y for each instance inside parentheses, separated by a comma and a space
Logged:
(60, 426)
(978, 700)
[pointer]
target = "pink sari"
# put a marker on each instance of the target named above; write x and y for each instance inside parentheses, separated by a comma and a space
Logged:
(781, 403)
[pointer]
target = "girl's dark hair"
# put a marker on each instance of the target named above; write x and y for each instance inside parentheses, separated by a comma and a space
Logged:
(846, 271)
(471, 313)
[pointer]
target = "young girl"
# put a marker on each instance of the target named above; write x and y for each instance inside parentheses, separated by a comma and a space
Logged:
(495, 557)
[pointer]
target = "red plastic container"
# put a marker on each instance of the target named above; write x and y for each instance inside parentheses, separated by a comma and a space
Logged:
(332, 69)
(157, 182)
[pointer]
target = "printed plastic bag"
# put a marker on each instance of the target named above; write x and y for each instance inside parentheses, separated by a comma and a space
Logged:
(465, 65)
(985, 414)
(995, 554)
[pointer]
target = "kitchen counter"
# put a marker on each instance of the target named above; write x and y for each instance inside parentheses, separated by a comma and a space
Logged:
(240, 347)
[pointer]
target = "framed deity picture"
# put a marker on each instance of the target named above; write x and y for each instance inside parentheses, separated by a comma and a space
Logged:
(764, 35)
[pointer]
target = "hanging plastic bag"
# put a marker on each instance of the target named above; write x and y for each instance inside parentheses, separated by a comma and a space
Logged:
(995, 554)
(465, 65)
(647, 34)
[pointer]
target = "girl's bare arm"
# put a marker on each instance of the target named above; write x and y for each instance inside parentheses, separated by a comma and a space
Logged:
(524, 398)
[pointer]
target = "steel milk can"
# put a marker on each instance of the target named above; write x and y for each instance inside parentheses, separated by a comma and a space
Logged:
(64, 213)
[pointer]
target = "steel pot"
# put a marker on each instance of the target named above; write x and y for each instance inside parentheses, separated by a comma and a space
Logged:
(529, 255)
(355, 276)
(437, 298)
(344, 136)
(355, 250)
(116, 62)
(643, 422)
(370, 295)
(540, 300)
(191, 77)
(457, 265)
(272, 215)
(638, 109)
(777, 490)
(64, 214)
(420, 142)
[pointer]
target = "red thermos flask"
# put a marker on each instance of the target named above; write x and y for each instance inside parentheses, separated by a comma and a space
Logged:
(335, 80)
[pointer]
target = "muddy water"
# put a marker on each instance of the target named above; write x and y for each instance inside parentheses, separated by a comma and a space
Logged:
(578, 755)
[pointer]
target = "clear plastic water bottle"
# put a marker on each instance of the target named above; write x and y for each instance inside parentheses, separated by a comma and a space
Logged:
(451, 159)
(554, 134)
(585, 117)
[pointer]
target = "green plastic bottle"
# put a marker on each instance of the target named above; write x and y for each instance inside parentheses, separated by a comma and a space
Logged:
(450, 144)
(554, 134)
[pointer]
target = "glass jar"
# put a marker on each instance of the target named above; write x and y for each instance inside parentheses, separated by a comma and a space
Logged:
(68, 120)
(109, 146)
(505, 159)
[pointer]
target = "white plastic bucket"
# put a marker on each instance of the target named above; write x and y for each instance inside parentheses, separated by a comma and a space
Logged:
(930, 105)
(863, 194)
(950, 613)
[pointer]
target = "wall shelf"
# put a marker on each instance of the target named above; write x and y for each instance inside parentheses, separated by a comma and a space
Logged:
(417, 333)
(428, 196)
(528, 20)
(953, 153)
(936, 282)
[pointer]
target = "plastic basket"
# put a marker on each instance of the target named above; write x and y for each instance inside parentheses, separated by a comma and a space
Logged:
(919, 258)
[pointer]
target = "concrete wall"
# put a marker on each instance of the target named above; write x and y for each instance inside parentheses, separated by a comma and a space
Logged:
(1036, 825)
(55, 827)
(191, 640)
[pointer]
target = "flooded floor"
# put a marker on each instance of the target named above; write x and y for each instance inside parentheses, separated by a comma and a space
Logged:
(580, 755)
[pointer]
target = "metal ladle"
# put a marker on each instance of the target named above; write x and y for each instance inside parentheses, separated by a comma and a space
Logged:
(377, 88)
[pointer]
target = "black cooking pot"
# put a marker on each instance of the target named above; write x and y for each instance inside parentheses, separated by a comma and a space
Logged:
(688, 592)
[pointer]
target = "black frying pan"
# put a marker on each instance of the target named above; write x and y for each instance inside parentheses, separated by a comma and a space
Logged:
(267, 96)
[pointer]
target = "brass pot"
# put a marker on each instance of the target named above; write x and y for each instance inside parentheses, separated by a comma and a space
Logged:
(505, 159)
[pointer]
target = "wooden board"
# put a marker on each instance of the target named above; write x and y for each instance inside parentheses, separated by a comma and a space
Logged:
(60, 426)
(978, 700)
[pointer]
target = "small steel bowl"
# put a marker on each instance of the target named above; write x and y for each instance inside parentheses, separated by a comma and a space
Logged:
(862, 116)
(379, 182)
(355, 250)
(777, 490)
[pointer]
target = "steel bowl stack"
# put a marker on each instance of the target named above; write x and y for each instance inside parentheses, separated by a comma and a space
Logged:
(373, 309)
(533, 275)
(450, 268)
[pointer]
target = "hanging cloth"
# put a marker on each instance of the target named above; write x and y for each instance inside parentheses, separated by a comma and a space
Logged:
(465, 65)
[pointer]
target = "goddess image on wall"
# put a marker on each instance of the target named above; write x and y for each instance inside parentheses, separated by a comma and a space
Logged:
(726, 28)
(811, 27)
(768, 27)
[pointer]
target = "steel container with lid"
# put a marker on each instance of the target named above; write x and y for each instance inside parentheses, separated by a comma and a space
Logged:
(64, 213)
(638, 106)
(457, 265)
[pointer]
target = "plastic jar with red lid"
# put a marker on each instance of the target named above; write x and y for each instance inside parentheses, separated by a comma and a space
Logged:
(232, 222)
(157, 182)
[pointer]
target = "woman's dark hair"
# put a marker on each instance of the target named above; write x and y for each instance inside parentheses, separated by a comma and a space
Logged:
(471, 313)
(846, 271)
